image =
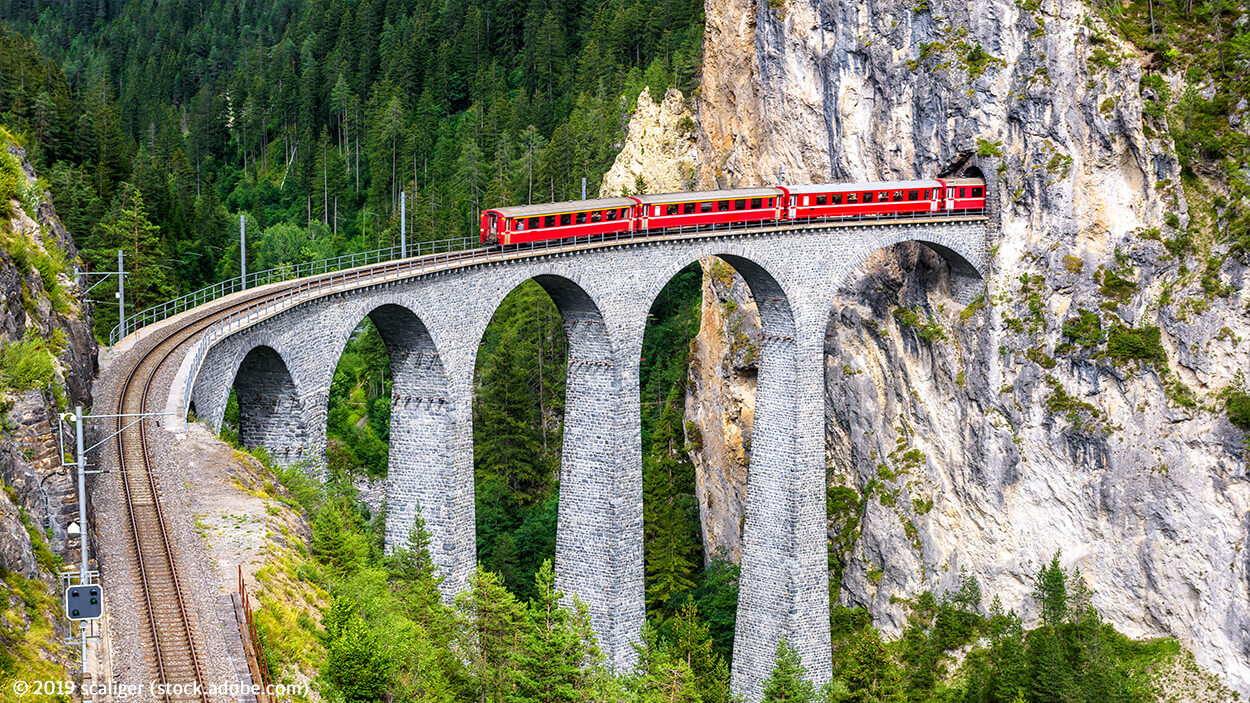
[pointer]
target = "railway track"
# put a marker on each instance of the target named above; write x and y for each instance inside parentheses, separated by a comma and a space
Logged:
(173, 648)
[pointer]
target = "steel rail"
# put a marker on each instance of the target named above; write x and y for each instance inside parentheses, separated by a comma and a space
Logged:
(163, 551)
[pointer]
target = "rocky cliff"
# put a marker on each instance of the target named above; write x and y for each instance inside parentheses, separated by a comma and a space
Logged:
(1078, 405)
(47, 363)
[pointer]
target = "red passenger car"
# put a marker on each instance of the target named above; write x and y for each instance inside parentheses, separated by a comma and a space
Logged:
(708, 207)
(580, 218)
(964, 194)
(863, 199)
(645, 214)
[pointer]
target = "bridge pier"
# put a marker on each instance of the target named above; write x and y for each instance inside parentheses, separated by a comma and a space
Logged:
(784, 587)
(430, 463)
(599, 528)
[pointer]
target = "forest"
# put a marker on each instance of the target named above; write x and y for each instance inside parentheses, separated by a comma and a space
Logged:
(157, 124)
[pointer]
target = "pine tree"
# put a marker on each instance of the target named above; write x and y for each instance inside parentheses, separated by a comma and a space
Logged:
(870, 672)
(489, 617)
(1007, 658)
(413, 574)
(661, 676)
(1050, 590)
(689, 639)
(548, 660)
(356, 664)
(788, 681)
(669, 522)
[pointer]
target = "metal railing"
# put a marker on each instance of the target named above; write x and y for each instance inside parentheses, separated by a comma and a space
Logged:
(255, 279)
(416, 266)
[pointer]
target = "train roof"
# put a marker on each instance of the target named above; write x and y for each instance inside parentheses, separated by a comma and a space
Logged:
(857, 187)
(561, 208)
(701, 195)
(965, 181)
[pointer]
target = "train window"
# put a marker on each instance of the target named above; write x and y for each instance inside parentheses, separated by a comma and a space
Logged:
(913, 195)
(740, 204)
(770, 202)
(565, 219)
(596, 216)
(976, 192)
(687, 208)
(868, 197)
(822, 200)
(961, 192)
(581, 218)
(755, 203)
(898, 195)
(549, 221)
(837, 198)
(807, 200)
(533, 222)
(611, 215)
(670, 209)
(722, 206)
(852, 198)
(707, 207)
(520, 224)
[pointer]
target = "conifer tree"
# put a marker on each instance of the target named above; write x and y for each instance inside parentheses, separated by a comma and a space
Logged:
(661, 675)
(355, 662)
(489, 618)
(552, 648)
(788, 681)
(689, 639)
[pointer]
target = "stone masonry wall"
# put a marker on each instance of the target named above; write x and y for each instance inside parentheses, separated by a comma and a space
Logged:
(437, 321)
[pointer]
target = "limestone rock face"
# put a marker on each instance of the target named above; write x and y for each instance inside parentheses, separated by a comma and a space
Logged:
(720, 406)
(661, 146)
(988, 438)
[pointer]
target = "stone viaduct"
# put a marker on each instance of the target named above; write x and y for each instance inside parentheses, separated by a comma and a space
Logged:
(282, 366)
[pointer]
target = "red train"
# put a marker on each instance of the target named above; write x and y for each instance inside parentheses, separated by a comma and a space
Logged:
(658, 213)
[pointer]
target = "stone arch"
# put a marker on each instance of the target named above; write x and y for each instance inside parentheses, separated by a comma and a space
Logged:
(271, 409)
(967, 261)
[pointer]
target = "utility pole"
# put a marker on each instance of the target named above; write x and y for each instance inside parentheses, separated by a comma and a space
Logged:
(121, 297)
(403, 223)
(82, 497)
(242, 252)
(583, 187)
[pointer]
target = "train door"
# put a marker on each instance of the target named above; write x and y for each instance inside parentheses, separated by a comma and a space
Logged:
(794, 201)
(950, 198)
(933, 201)
(492, 231)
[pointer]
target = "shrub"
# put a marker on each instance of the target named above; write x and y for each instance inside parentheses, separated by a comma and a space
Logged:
(12, 182)
(1135, 343)
(988, 148)
(1085, 329)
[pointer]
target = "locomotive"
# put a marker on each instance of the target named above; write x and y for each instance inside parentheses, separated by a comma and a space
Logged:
(655, 214)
